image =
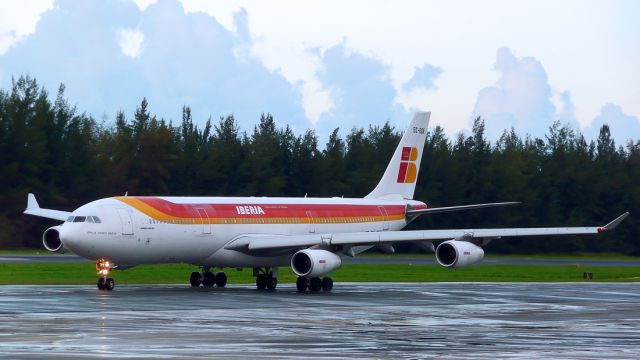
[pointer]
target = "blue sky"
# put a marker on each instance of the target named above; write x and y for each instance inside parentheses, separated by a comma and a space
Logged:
(327, 64)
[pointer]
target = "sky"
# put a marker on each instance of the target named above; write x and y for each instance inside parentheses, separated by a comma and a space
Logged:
(328, 64)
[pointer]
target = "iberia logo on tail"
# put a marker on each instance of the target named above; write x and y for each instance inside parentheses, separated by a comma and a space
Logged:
(408, 171)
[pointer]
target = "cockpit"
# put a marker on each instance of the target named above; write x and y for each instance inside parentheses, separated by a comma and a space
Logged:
(80, 219)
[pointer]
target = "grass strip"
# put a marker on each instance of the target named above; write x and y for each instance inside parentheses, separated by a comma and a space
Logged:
(35, 274)
(576, 256)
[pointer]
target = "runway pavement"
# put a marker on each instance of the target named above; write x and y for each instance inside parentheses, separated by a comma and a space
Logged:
(372, 320)
(390, 259)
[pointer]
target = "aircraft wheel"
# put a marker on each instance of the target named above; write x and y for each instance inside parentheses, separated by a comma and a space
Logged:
(327, 284)
(315, 284)
(221, 279)
(109, 284)
(208, 279)
(261, 281)
(195, 279)
(101, 283)
(272, 282)
(302, 284)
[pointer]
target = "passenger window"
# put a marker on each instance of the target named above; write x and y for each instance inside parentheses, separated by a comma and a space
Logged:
(70, 219)
(96, 220)
(79, 219)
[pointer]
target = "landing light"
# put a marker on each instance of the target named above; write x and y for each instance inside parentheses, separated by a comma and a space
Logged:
(103, 266)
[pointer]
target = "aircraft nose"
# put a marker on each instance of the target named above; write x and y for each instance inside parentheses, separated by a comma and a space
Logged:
(69, 237)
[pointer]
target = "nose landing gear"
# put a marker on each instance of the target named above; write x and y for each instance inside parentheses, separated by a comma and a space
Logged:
(104, 267)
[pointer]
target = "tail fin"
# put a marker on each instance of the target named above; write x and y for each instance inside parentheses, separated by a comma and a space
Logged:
(399, 180)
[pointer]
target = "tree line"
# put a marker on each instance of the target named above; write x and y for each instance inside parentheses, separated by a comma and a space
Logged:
(67, 158)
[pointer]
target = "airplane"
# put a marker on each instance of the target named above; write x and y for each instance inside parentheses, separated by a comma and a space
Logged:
(311, 235)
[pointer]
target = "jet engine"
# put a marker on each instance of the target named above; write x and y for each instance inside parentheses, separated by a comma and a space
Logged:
(457, 254)
(51, 240)
(312, 263)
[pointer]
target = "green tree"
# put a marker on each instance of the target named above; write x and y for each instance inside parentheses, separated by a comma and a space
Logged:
(263, 165)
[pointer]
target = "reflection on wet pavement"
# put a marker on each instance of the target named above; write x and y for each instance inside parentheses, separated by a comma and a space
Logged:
(372, 320)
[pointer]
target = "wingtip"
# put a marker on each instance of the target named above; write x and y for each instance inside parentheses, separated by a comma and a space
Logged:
(613, 224)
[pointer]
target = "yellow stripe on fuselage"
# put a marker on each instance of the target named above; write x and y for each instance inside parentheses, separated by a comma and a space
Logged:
(147, 209)
(160, 216)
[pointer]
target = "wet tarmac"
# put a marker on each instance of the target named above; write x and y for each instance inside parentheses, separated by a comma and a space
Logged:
(428, 259)
(356, 320)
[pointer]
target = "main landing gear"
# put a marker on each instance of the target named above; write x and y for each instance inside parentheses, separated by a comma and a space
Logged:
(207, 278)
(266, 278)
(314, 284)
(104, 267)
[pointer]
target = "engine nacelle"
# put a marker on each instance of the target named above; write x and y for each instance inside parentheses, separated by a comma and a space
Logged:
(312, 263)
(457, 254)
(51, 240)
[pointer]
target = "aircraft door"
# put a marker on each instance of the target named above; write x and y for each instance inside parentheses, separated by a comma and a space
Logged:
(126, 221)
(312, 225)
(204, 220)
(385, 218)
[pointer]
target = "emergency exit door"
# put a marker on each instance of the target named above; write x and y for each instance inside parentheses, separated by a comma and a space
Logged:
(312, 225)
(204, 220)
(385, 218)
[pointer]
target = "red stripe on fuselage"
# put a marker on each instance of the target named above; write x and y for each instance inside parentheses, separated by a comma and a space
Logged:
(270, 210)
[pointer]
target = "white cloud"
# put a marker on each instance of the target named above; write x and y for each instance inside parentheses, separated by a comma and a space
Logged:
(622, 126)
(183, 59)
(16, 22)
(130, 41)
(221, 10)
(522, 98)
(460, 37)
(6, 40)
(144, 4)
(290, 37)
(316, 100)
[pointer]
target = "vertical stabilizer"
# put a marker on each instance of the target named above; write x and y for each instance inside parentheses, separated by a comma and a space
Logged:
(399, 180)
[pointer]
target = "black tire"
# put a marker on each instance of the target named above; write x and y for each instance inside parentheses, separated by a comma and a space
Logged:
(327, 284)
(261, 281)
(208, 279)
(315, 284)
(272, 282)
(195, 279)
(302, 284)
(221, 279)
(109, 284)
(100, 284)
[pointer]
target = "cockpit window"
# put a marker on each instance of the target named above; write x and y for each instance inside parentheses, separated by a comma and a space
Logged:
(96, 219)
(70, 219)
(79, 219)
(90, 219)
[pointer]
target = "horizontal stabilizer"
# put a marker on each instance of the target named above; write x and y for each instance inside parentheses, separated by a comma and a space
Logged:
(33, 208)
(458, 208)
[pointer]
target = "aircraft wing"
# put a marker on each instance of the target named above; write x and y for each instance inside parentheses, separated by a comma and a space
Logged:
(261, 242)
(34, 209)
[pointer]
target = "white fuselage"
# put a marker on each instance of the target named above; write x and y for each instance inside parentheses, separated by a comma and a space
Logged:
(137, 230)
